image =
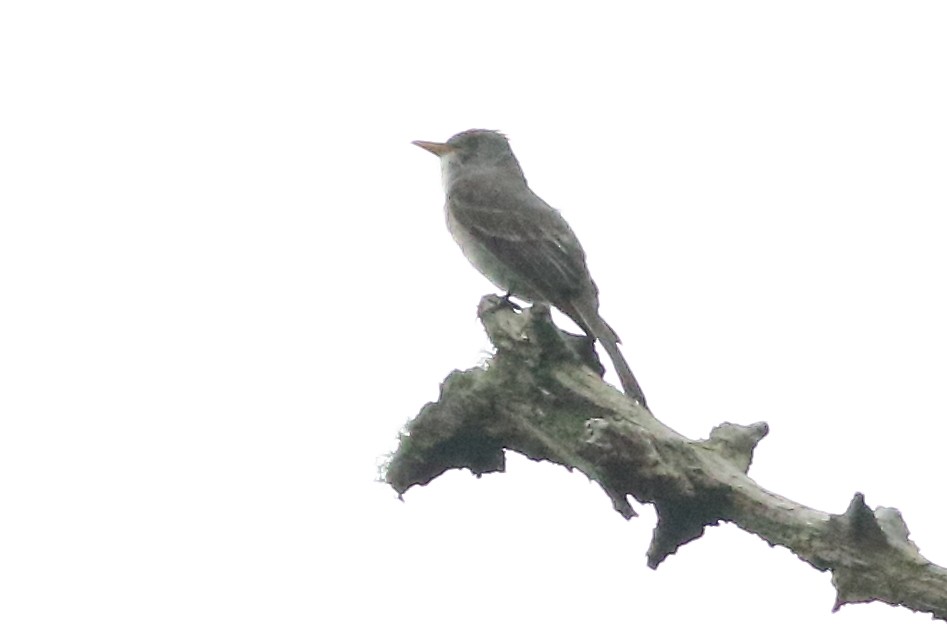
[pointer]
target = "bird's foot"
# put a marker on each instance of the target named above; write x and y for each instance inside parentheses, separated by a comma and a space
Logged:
(507, 300)
(503, 302)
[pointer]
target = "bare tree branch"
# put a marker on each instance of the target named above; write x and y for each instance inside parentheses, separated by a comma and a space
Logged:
(542, 395)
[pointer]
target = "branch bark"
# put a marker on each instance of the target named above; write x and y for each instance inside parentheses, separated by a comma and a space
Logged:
(542, 395)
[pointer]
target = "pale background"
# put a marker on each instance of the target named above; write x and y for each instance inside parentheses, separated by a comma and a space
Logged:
(226, 284)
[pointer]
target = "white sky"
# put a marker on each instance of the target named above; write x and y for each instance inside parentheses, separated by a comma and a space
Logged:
(225, 284)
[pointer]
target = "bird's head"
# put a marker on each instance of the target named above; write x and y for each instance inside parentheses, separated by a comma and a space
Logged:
(473, 151)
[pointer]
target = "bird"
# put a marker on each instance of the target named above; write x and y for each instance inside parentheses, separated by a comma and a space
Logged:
(519, 242)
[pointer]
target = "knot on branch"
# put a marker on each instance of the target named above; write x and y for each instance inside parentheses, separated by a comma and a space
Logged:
(880, 538)
(735, 443)
(859, 523)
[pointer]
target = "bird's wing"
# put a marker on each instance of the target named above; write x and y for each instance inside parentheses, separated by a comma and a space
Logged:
(524, 233)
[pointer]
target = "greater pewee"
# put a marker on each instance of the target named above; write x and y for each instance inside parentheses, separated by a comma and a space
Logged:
(518, 241)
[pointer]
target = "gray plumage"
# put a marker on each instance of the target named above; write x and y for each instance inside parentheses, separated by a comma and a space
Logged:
(518, 241)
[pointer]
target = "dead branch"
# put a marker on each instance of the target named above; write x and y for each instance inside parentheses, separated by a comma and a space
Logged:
(542, 395)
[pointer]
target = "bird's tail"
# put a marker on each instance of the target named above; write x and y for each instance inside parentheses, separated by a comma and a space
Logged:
(599, 328)
(628, 382)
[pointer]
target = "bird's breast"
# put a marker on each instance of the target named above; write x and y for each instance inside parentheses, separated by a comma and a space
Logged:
(482, 259)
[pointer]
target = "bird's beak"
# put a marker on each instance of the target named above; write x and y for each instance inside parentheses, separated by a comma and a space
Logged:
(437, 148)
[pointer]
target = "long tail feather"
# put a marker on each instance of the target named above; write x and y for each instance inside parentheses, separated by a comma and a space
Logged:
(594, 325)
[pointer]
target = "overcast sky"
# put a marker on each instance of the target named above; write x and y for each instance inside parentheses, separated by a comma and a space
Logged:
(225, 285)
